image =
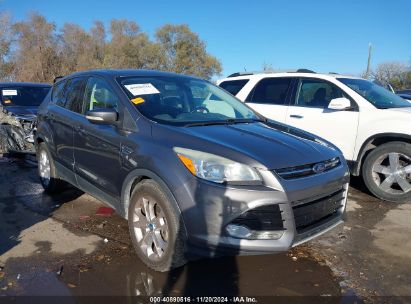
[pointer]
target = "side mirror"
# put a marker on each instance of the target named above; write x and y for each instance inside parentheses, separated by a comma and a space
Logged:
(339, 104)
(105, 116)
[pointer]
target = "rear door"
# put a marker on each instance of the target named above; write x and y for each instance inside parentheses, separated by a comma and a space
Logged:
(270, 97)
(308, 111)
(66, 97)
(97, 147)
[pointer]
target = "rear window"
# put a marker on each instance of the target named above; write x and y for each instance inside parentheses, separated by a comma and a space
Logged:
(233, 86)
(23, 96)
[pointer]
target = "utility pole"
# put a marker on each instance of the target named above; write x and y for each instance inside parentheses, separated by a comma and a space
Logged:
(367, 73)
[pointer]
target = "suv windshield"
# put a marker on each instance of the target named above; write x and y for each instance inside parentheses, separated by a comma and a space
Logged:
(184, 101)
(23, 96)
(380, 97)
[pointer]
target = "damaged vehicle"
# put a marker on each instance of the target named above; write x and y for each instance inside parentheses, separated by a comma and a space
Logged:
(19, 103)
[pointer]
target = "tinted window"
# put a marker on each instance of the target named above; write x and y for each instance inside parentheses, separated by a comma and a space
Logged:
(271, 91)
(233, 86)
(23, 96)
(100, 95)
(57, 95)
(316, 93)
(74, 93)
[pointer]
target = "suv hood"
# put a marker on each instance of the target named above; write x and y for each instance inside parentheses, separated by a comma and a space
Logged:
(272, 147)
(20, 110)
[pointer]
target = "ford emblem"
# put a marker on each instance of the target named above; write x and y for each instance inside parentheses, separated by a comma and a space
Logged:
(318, 168)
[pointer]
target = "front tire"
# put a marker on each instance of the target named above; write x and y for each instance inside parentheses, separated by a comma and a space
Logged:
(387, 172)
(156, 228)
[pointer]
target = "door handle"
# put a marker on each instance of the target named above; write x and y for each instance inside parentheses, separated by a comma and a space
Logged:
(296, 116)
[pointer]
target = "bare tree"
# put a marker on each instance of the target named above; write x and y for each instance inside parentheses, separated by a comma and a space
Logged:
(394, 73)
(41, 51)
(267, 67)
(6, 38)
(81, 50)
(36, 57)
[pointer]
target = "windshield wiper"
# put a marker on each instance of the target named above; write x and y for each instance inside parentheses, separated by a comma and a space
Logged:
(230, 121)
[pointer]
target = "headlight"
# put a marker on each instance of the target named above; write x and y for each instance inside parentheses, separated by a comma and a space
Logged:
(216, 168)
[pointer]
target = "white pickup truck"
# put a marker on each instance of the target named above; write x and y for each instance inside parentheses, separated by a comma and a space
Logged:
(370, 125)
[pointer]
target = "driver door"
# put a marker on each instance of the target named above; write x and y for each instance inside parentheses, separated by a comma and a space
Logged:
(308, 111)
(97, 147)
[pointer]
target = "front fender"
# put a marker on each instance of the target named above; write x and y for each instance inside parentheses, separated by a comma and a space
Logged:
(139, 174)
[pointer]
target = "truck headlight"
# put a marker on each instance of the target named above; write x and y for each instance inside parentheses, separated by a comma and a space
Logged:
(216, 168)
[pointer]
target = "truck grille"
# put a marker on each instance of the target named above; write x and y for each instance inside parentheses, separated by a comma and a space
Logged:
(308, 170)
(308, 214)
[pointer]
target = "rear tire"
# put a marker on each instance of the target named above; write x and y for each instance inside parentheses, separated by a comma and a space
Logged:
(387, 172)
(47, 171)
(156, 227)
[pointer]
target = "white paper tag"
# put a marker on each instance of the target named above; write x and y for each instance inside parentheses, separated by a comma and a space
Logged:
(142, 89)
(9, 92)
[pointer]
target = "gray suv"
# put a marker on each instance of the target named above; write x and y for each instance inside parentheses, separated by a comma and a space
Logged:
(194, 170)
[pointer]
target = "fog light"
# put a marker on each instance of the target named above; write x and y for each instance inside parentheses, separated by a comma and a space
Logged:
(242, 232)
(237, 231)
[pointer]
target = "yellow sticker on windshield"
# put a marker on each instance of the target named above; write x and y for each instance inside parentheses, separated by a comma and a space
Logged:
(137, 100)
(7, 101)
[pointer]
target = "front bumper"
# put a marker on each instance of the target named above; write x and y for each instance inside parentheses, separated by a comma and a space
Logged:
(212, 207)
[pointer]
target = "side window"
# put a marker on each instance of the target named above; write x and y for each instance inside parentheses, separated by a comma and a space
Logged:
(100, 95)
(74, 94)
(233, 86)
(316, 93)
(57, 95)
(270, 91)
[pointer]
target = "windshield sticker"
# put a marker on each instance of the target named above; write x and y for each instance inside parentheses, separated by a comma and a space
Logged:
(9, 92)
(137, 100)
(142, 89)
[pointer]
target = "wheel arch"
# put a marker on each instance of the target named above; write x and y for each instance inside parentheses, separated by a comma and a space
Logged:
(373, 142)
(136, 176)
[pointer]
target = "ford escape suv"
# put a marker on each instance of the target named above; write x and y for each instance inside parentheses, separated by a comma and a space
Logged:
(194, 170)
(370, 124)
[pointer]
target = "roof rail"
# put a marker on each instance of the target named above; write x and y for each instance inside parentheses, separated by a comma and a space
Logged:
(305, 71)
(240, 74)
(273, 71)
(57, 78)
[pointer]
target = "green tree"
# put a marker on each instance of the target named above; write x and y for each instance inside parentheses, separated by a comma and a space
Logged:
(185, 52)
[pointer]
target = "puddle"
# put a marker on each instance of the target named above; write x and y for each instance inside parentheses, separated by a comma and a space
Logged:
(269, 275)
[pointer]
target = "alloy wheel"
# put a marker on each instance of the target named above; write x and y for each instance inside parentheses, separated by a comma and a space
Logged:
(150, 227)
(392, 173)
(44, 168)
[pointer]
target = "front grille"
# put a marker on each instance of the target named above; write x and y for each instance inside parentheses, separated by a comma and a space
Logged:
(263, 218)
(309, 214)
(308, 170)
